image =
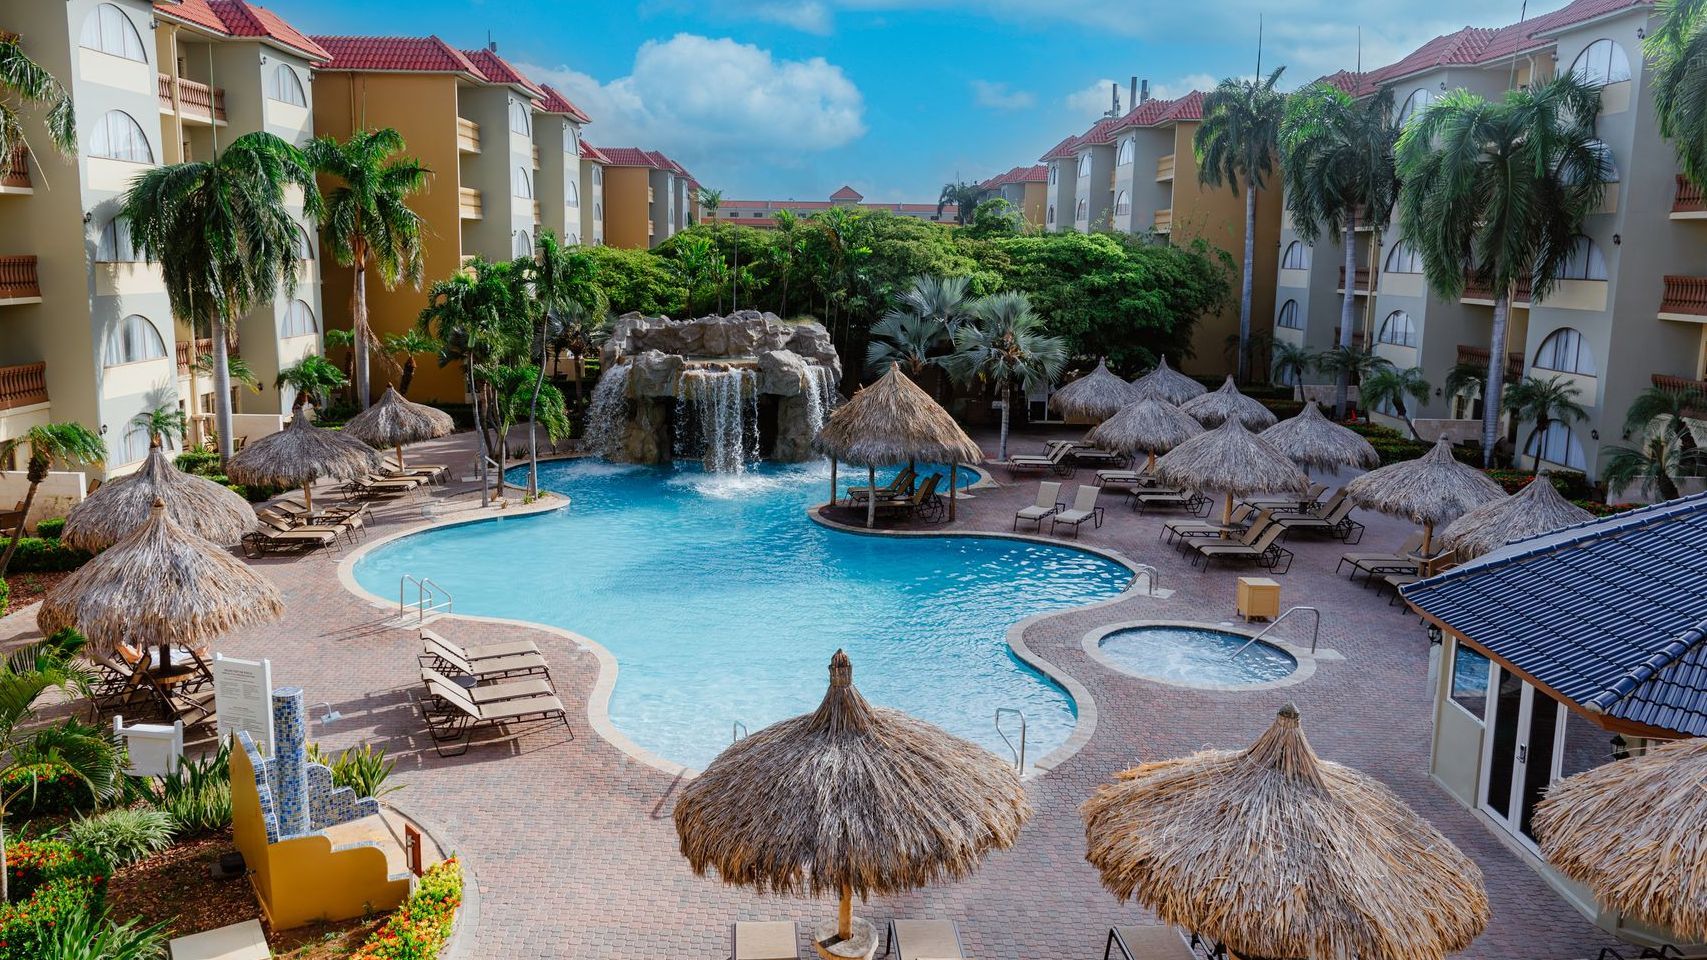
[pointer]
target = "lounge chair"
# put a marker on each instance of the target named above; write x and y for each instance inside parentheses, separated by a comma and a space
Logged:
(1045, 506)
(1308, 503)
(1084, 508)
(493, 692)
(1057, 460)
(1371, 563)
(923, 503)
(1150, 942)
(898, 487)
(453, 715)
(1336, 521)
(1167, 499)
(435, 473)
(924, 940)
(119, 687)
(341, 526)
(1125, 478)
(1176, 529)
(489, 668)
(1090, 456)
(1265, 551)
(262, 542)
(371, 488)
(764, 940)
(481, 651)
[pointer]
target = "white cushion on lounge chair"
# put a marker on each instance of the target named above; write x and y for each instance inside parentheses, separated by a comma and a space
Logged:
(1152, 942)
(926, 940)
(484, 651)
(1047, 491)
(493, 692)
(1084, 505)
(766, 940)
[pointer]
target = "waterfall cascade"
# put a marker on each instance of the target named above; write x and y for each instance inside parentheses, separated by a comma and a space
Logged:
(607, 413)
(820, 396)
(726, 410)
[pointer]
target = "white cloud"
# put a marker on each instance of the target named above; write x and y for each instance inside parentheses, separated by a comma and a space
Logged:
(810, 16)
(1172, 89)
(1093, 101)
(698, 98)
(998, 96)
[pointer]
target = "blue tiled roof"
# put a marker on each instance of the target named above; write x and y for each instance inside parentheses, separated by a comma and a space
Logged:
(1611, 613)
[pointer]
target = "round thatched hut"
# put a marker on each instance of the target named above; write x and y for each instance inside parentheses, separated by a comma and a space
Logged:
(1316, 443)
(207, 509)
(1431, 490)
(1536, 509)
(1094, 397)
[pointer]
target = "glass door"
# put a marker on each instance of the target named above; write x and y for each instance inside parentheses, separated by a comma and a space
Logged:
(1520, 752)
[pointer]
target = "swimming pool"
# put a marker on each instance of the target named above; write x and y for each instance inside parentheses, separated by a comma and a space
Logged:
(722, 602)
(1195, 656)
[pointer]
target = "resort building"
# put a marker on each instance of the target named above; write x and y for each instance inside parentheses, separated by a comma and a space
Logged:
(1629, 313)
(647, 197)
(593, 165)
(1024, 188)
(762, 213)
(90, 334)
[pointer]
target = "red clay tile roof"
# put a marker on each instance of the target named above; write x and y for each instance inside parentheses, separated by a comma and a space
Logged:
(497, 70)
(626, 156)
(847, 193)
(590, 152)
(397, 55)
(556, 102)
(237, 18)
(1188, 107)
(1061, 151)
(1032, 174)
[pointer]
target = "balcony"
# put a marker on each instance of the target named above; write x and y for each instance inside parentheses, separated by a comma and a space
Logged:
(1678, 386)
(470, 204)
(536, 211)
(536, 158)
(18, 281)
(1685, 299)
(196, 99)
(1362, 279)
(1475, 291)
(203, 348)
(1478, 356)
(467, 135)
(23, 385)
(15, 173)
(1164, 168)
(1164, 221)
(1690, 202)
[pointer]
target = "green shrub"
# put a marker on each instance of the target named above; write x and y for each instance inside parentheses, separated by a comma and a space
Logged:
(87, 934)
(50, 528)
(33, 864)
(40, 555)
(198, 795)
(5, 597)
(199, 462)
(122, 836)
(44, 788)
(419, 928)
(1571, 484)
(27, 925)
(1373, 430)
(1285, 407)
(364, 769)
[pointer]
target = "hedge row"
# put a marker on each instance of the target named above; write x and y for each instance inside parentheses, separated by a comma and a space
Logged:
(419, 928)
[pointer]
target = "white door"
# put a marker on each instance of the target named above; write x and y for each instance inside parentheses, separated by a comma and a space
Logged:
(1521, 752)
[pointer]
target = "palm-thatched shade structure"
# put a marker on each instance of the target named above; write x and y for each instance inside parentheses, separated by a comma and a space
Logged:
(1431, 490)
(1148, 426)
(1316, 443)
(1275, 852)
(1168, 385)
(893, 421)
(395, 421)
(1234, 461)
(1227, 403)
(849, 799)
(1094, 397)
(300, 454)
(207, 509)
(159, 584)
(1536, 509)
(1632, 832)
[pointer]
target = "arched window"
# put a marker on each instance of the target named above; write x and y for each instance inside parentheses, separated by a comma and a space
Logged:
(115, 245)
(1288, 317)
(1122, 204)
(1566, 351)
(524, 185)
(524, 244)
(1601, 63)
(1558, 444)
(1052, 172)
(108, 30)
(598, 211)
(1082, 211)
(574, 193)
(598, 176)
(1084, 164)
(286, 87)
(1296, 257)
(133, 446)
(304, 246)
(1403, 258)
(574, 239)
(521, 119)
(1398, 330)
(132, 340)
(1052, 213)
(1608, 164)
(1586, 262)
(118, 137)
(571, 144)
(298, 321)
(1416, 103)
(1127, 150)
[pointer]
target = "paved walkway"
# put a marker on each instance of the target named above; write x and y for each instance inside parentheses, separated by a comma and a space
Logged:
(573, 844)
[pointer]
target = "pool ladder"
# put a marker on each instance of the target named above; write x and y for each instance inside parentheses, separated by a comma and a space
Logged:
(429, 597)
(1018, 752)
(1152, 577)
(1315, 629)
(738, 732)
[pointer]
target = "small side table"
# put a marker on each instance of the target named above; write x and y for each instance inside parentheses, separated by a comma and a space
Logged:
(1259, 598)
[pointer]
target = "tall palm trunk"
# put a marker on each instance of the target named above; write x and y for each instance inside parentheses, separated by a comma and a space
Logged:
(1539, 430)
(222, 388)
(1002, 446)
(408, 375)
(195, 439)
(358, 321)
(479, 430)
(1247, 283)
(1348, 311)
(36, 474)
(1494, 387)
(533, 418)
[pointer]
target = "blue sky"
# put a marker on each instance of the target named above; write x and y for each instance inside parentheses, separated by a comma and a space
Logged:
(792, 98)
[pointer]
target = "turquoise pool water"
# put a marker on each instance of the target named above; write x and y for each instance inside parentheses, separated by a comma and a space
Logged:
(1197, 655)
(722, 602)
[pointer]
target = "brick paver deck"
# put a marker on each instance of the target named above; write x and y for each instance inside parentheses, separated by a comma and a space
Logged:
(573, 844)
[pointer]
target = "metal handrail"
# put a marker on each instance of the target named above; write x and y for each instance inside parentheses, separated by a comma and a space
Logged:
(1149, 573)
(1019, 754)
(425, 590)
(738, 732)
(1315, 629)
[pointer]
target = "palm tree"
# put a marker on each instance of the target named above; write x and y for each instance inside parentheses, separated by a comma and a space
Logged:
(345, 340)
(478, 322)
(313, 378)
(163, 423)
(520, 391)
(1236, 144)
(1678, 52)
(554, 278)
(942, 299)
(1005, 344)
(1498, 191)
(1337, 157)
(402, 348)
(964, 196)
(224, 240)
(787, 245)
(1351, 364)
(1465, 379)
(1655, 408)
(1389, 385)
(906, 338)
(1542, 401)
(69, 444)
(711, 201)
(1291, 362)
(369, 223)
(23, 81)
(1652, 467)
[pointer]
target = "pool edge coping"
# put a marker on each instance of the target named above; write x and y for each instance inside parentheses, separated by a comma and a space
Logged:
(1304, 659)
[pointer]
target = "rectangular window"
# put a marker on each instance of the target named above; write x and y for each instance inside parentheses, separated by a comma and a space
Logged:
(1470, 680)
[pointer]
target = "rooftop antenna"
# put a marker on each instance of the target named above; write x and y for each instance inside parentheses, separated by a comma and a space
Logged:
(1259, 48)
(491, 44)
(1511, 78)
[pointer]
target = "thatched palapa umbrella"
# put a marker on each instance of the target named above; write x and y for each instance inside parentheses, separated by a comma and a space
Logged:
(849, 799)
(1148, 426)
(1632, 832)
(1217, 407)
(300, 454)
(893, 421)
(395, 421)
(1094, 397)
(1168, 385)
(1536, 509)
(159, 584)
(1315, 442)
(1234, 461)
(207, 509)
(1431, 490)
(1275, 852)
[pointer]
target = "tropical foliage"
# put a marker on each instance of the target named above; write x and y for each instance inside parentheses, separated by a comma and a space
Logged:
(23, 82)
(1004, 346)
(1677, 49)
(65, 444)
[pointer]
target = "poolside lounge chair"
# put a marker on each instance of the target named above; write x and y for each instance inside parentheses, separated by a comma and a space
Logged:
(1089, 456)
(924, 940)
(1045, 506)
(488, 668)
(262, 542)
(1084, 508)
(374, 488)
(764, 940)
(1265, 551)
(1371, 563)
(1168, 499)
(1335, 521)
(898, 487)
(481, 651)
(436, 473)
(922, 504)
(1309, 502)
(1125, 478)
(1057, 459)
(493, 692)
(453, 715)
(1176, 529)
(339, 526)
(1150, 942)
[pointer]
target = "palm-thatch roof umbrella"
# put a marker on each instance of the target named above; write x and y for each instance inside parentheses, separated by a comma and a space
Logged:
(1168, 385)
(1649, 865)
(1218, 406)
(1233, 461)
(1148, 426)
(1536, 509)
(893, 421)
(207, 509)
(1315, 442)
(1431, 490)
(849, 799)
(394, 421)
(1094, 397)
(160, 584)
(1275, 852)
(300, 454)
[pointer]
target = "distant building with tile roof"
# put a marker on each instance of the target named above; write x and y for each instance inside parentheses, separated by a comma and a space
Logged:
(648, 196)
(1026, 189)
(762, 213)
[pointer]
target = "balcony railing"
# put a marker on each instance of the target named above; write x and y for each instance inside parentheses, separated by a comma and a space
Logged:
(472, 207)
(1691, 200)
(1685, 295)
(196, 98)
(203, 348)
(1478, 356)
(1165, 168)
(23, 385)
(1475, 289)
(15, 172)
(1164, 221)
(467, 135)
(1681, 386)
(1362, 279)
(18, 280)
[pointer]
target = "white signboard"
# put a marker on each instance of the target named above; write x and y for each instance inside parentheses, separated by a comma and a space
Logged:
(243, 697)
